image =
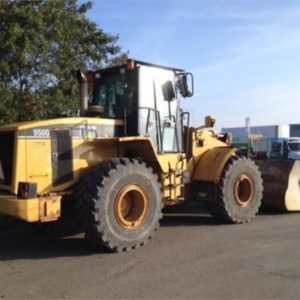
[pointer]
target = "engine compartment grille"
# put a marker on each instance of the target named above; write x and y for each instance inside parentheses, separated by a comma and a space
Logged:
(7, 144)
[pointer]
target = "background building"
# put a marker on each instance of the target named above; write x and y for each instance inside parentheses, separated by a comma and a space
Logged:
(240, 135)
(295, 130)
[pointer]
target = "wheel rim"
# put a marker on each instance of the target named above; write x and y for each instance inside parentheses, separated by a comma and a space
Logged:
(131, 206)
(243, 190)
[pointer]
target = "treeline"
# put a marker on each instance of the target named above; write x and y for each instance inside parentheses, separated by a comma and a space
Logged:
(42, 43)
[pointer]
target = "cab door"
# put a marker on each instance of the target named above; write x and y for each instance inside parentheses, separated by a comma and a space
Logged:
(158, 113)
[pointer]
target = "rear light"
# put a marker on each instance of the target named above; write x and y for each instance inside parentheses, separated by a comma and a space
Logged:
(1, 174)
(90, 77)
(130, 64)
(27, 190)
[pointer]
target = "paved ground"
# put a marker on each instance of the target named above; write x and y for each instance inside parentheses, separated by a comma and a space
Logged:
(191, 257)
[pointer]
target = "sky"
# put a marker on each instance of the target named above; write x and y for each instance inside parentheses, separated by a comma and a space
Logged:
(244, 54)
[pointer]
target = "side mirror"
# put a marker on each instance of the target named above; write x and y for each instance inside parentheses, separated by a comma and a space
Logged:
(185, 84)
(209, 122)
(168, 91)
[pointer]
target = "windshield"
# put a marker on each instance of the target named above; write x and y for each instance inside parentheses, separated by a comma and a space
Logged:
(294, 146)
(276, 147)
(113, 93)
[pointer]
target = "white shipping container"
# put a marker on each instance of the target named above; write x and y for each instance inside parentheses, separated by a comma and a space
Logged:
(283, 131)
(261, 146)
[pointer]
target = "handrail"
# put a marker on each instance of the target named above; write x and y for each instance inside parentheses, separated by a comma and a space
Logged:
(186, 142)
(157, 121)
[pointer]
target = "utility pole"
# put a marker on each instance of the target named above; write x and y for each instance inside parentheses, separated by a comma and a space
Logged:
(248, 133)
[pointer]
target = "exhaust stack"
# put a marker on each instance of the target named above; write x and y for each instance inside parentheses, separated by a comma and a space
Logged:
(83, 83)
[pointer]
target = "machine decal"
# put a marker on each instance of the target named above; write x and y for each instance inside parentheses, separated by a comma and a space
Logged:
(38, 175)
(39, 132)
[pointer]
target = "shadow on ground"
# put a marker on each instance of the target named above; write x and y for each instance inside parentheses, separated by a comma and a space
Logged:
(27, 244)
(20, 241)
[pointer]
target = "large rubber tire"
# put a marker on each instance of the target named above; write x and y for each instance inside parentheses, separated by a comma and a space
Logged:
(239, 192)
(122, 204)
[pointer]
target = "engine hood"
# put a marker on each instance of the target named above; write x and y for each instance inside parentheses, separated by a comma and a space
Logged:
(76, 121)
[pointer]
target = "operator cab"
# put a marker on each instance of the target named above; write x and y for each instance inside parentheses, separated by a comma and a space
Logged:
(146, 97)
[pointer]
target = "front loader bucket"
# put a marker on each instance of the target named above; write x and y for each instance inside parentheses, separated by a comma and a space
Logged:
(281, 180)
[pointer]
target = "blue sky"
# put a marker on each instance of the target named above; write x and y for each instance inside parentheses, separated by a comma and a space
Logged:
(244, 54)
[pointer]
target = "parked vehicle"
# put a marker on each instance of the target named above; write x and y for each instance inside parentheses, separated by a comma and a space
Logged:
(279, 148)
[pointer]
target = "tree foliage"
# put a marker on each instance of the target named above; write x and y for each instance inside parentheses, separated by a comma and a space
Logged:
(42, 42)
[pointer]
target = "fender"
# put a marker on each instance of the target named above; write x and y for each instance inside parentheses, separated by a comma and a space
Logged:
(210, 165)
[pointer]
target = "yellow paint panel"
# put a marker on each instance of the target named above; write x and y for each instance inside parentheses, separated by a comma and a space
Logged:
(89, 154)
(34, 161)
(28, 210)
(50, 208)
(32, 210)
(19, 173)
(38, 161)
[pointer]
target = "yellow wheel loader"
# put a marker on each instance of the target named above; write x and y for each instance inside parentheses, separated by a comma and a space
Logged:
(130, 152)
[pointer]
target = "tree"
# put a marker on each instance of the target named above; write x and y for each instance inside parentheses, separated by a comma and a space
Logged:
(42, 42)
